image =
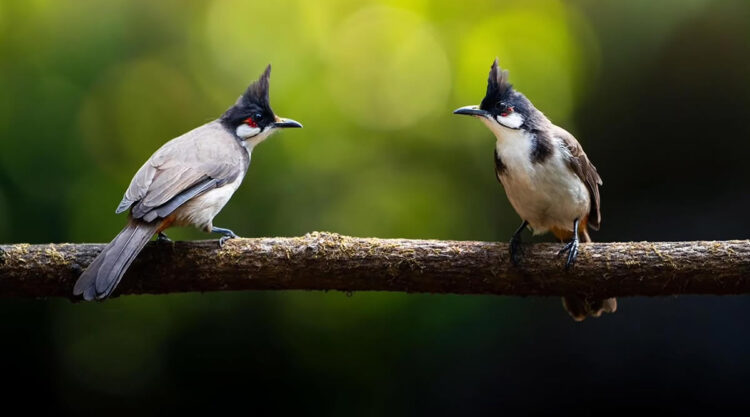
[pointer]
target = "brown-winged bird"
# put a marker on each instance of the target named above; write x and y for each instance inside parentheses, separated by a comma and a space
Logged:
(549, 180)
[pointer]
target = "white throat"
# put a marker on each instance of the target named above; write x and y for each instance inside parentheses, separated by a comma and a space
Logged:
(513, 145)
(502, 131)
(252, 136)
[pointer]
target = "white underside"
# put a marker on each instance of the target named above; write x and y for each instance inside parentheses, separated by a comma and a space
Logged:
(200, 211)
(547, 195)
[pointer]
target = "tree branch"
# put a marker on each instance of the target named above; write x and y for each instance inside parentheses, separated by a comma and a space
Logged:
(326, 261)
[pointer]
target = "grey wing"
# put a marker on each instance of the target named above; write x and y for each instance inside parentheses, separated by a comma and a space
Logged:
(586, 171)
(205, 158)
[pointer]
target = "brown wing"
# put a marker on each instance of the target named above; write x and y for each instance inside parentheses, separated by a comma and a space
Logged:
(585, 170)
(202, 159)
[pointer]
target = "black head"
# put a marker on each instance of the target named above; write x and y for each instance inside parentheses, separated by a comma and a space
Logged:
(498, 88)
(503, 104)
(252, 114)
(254, 105)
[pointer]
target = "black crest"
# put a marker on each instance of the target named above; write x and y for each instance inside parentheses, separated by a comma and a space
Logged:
(258, 91)
(254, 103)
(498, 87)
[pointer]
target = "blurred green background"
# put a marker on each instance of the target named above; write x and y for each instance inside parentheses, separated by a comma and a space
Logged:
(658, 93)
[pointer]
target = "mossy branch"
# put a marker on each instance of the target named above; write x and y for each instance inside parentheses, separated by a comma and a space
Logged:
(327, 261)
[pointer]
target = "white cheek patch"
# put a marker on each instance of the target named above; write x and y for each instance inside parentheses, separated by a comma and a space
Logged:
(245, 131)
(513, 120)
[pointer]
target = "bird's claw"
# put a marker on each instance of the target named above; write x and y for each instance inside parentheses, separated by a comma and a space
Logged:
(572, 249)
(163, 238)
(223, 239)
(226, 235)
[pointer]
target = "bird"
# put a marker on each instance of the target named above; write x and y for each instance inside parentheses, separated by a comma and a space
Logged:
(186, 182)
(547, 177)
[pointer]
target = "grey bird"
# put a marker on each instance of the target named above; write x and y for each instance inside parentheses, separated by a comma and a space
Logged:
(548, 178)
(186, 183)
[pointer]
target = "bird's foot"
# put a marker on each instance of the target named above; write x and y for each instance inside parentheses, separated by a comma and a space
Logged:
(516, 250)
(223, 239)
(572, 249)
(163, 238)
(228, 234)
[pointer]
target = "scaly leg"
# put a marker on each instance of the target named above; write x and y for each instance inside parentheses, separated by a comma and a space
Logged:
(516, 250)
(228, 234)
(571, 248)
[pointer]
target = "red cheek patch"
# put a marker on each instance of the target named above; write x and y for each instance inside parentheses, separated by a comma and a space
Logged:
(250, 122)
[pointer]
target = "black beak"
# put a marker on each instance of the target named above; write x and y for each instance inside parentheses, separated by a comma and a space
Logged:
(471, 111)
(282, 123)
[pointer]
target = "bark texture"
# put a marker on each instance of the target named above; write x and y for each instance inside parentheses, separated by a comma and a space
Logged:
(328, 261)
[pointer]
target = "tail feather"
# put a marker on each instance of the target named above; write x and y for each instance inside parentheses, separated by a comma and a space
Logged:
(102, 276)
(580, 307)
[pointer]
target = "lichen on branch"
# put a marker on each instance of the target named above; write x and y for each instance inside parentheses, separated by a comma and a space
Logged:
(329, 261)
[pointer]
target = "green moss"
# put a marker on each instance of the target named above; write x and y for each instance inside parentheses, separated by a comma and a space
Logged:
(665, 258)
(55, 256)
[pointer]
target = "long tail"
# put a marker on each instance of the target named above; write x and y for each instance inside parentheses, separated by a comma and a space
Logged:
(102, 276)
(579, 307)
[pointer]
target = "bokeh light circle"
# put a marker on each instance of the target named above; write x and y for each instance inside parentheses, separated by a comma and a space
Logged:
(134, 109)
(541, 44)
(244, 36)
(387, 68)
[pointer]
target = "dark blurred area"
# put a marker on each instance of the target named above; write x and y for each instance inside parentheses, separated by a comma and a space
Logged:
(658, 93)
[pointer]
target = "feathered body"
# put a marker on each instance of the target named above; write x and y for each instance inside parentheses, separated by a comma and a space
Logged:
(548, 195)
(186, 182)
(549, 180)
(189, 179)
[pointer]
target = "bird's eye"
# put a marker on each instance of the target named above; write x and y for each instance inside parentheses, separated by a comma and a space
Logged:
(257, 116)
(507, 111)
(250, 122)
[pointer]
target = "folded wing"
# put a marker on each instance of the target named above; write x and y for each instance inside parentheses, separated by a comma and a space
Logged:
(581, 165)
(185, 167)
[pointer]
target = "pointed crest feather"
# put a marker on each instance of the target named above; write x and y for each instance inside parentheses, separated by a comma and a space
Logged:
(258, 91)
(498, 80)
(255, 99)
(498, 88)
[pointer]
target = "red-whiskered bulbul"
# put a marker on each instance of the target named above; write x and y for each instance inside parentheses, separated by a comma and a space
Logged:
(186, 183)
(547, 177)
